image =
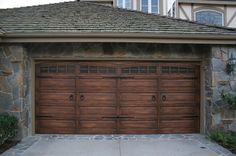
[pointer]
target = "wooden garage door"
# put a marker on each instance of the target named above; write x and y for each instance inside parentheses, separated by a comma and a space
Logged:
(117, 97)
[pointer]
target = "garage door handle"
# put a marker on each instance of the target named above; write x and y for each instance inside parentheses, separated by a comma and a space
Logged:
(82, 97)
(153, 98)
(163, 98)
(71, 98)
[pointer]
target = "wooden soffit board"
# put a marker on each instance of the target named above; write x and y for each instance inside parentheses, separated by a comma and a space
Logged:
(119, 37)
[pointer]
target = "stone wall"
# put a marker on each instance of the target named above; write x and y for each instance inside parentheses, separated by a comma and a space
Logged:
(222, 115)
(13, 89)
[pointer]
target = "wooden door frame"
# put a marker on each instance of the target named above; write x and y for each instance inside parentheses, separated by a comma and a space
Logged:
(198, 62)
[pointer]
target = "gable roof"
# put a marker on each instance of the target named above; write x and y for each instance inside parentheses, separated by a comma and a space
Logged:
(70, 18)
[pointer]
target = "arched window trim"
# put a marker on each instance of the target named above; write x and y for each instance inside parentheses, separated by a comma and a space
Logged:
(212, 10)
(150, 6)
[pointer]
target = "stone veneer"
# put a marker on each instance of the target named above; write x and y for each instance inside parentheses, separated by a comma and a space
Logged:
(222, 115)
(17, 70)
(13, 85)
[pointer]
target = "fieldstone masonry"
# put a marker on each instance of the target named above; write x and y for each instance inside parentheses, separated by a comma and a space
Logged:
(17, 70)
(222, 115)
(12, 84)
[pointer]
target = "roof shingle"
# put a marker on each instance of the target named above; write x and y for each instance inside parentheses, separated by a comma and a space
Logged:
(88, 17)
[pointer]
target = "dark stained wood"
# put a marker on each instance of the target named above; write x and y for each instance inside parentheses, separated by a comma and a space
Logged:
(96, 103)
(55, 98)
(179, 99)
(117, 97)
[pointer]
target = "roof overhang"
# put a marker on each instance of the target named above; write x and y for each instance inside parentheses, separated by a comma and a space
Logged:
(147, 37)
(208, 2)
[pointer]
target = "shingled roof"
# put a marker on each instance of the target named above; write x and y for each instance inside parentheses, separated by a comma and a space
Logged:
(88, 17)
(1, 31)
(88, 22)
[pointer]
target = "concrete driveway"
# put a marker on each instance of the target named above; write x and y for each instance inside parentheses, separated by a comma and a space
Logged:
(117, 145)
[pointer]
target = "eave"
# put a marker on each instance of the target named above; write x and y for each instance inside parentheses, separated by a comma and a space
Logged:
(147, 37)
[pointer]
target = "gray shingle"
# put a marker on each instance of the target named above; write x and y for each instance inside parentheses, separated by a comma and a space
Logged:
(88, 17)
(1, 31)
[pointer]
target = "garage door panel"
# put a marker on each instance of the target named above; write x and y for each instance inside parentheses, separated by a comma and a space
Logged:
(117, 97)
(179, 125)
(137, 111)
(58, 98)
(133, 97)
(138, 85)
(138, 104)
(97, 111)
(97, 131)
(177, 97)
(177, 130)
(97, 99)
(57, 85)
(177, 84)
(57, 111)
(138, 124)
(57, 126)
(96, 85)
(138, 117)
(98, 124)
(52, 130)
(178, 110)
(138, 131)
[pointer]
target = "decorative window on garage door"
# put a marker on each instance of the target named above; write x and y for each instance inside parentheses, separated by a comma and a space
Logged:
(139, 70)
(176, 70)
(57, 68)
(86, 69)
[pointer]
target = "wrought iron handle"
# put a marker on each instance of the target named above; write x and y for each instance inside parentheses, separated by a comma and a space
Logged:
(82, 97)
(163, 98)
(71, 98)
(153, 98)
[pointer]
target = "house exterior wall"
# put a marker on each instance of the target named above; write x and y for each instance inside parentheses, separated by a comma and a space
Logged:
(18, 61)
(187, 11)
(136, 5)
(163, 8)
